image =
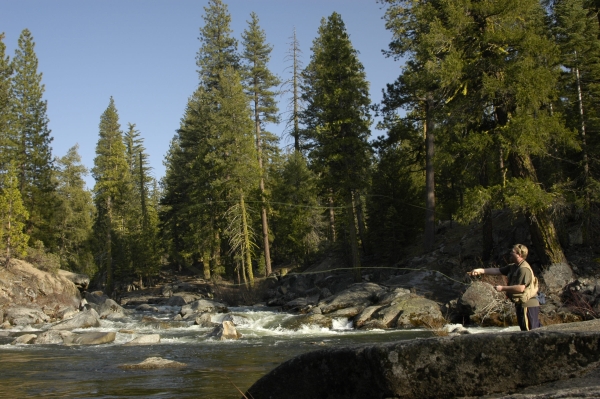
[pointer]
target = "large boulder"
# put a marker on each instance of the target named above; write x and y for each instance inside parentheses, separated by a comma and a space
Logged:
(21, 284)
(52, 337)
(409, 312)
(225, 331)
(483, 305)
(360, 294)
(556, 276)
(203, 306)
(180, 299)
(87, 318)
(109, 309)
(448, 367)
(81, 281)
(21, 315)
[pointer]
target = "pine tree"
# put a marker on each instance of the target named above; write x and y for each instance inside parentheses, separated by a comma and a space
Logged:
(31, 140)
(75, 214)
(233, 158)
(259, 82)
(218, 49)
(5, 105)
(295, 107)
(337, 119)
(298, 226)
(111, 173)
(576, 31)
(141, 224)
(13, 216)
(426, 84)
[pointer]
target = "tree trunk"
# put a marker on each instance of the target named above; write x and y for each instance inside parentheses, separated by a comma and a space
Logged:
(586, 169)
(109, 272)
(206, 264)
(247, 254)
(487, 228)
(543, 234)
(353, 241)
(360, 218)
(331, 217)
(263, 213)
(215, 258)
(429, 178)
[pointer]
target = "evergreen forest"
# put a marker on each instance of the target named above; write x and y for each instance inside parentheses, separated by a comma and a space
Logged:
(496, 107)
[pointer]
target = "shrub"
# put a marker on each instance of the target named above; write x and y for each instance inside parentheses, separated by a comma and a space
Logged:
(39, 257)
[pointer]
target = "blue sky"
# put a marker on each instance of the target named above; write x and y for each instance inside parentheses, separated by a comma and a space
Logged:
(142, 53)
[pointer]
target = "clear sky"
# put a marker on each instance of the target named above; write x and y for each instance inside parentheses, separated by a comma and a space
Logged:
(143, 52)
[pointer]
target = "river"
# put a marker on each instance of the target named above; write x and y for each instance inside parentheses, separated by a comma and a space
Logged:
(214, 369)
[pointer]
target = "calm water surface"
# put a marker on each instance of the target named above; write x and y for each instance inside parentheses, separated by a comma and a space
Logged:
(213, 368)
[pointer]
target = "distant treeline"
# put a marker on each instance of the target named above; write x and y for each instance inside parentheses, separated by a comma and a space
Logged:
(496, 106)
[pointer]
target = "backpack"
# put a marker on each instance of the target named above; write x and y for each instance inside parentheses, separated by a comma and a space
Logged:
(531, 290)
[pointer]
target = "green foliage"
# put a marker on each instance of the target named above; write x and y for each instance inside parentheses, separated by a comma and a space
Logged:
(218, 49)
(13, 216)
(395, 206)
(6, 114)
(298, 225)
(41, 258)
(112, 192)
(337, 115)
(74, 215)
(29, 141)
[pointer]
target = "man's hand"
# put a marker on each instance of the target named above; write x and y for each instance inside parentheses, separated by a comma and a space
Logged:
(476, 272)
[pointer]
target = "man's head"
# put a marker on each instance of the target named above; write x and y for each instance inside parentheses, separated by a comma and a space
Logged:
(519, 252)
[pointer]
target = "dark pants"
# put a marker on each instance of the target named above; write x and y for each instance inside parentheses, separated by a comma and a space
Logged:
(528, 318)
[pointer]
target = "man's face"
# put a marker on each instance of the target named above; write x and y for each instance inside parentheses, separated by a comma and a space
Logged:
(514, 257)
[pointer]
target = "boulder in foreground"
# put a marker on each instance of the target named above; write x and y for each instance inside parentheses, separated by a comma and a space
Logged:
(467, 365)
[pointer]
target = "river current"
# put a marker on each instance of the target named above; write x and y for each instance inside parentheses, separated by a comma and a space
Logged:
(214, 369)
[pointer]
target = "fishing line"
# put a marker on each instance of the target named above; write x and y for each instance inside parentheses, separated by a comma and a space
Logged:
(366, 268)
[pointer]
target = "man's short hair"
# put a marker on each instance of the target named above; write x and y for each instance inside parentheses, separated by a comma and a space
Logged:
(521, 250)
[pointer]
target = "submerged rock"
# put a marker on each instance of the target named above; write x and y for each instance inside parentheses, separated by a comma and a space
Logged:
(24, 339)
(152, 363)
(466, 365)
(147, 339)
(204, 320)
(312, 319)
(91, 338)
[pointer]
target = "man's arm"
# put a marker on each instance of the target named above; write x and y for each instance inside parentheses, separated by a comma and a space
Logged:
(480, 271)
(510, 289)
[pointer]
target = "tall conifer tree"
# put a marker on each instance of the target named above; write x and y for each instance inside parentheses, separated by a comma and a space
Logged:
(74, 215)
(218, 48)
(31, 140)
(5, 105)
(112, 178)
(259, 84)
(337, 119)
(13, 216)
